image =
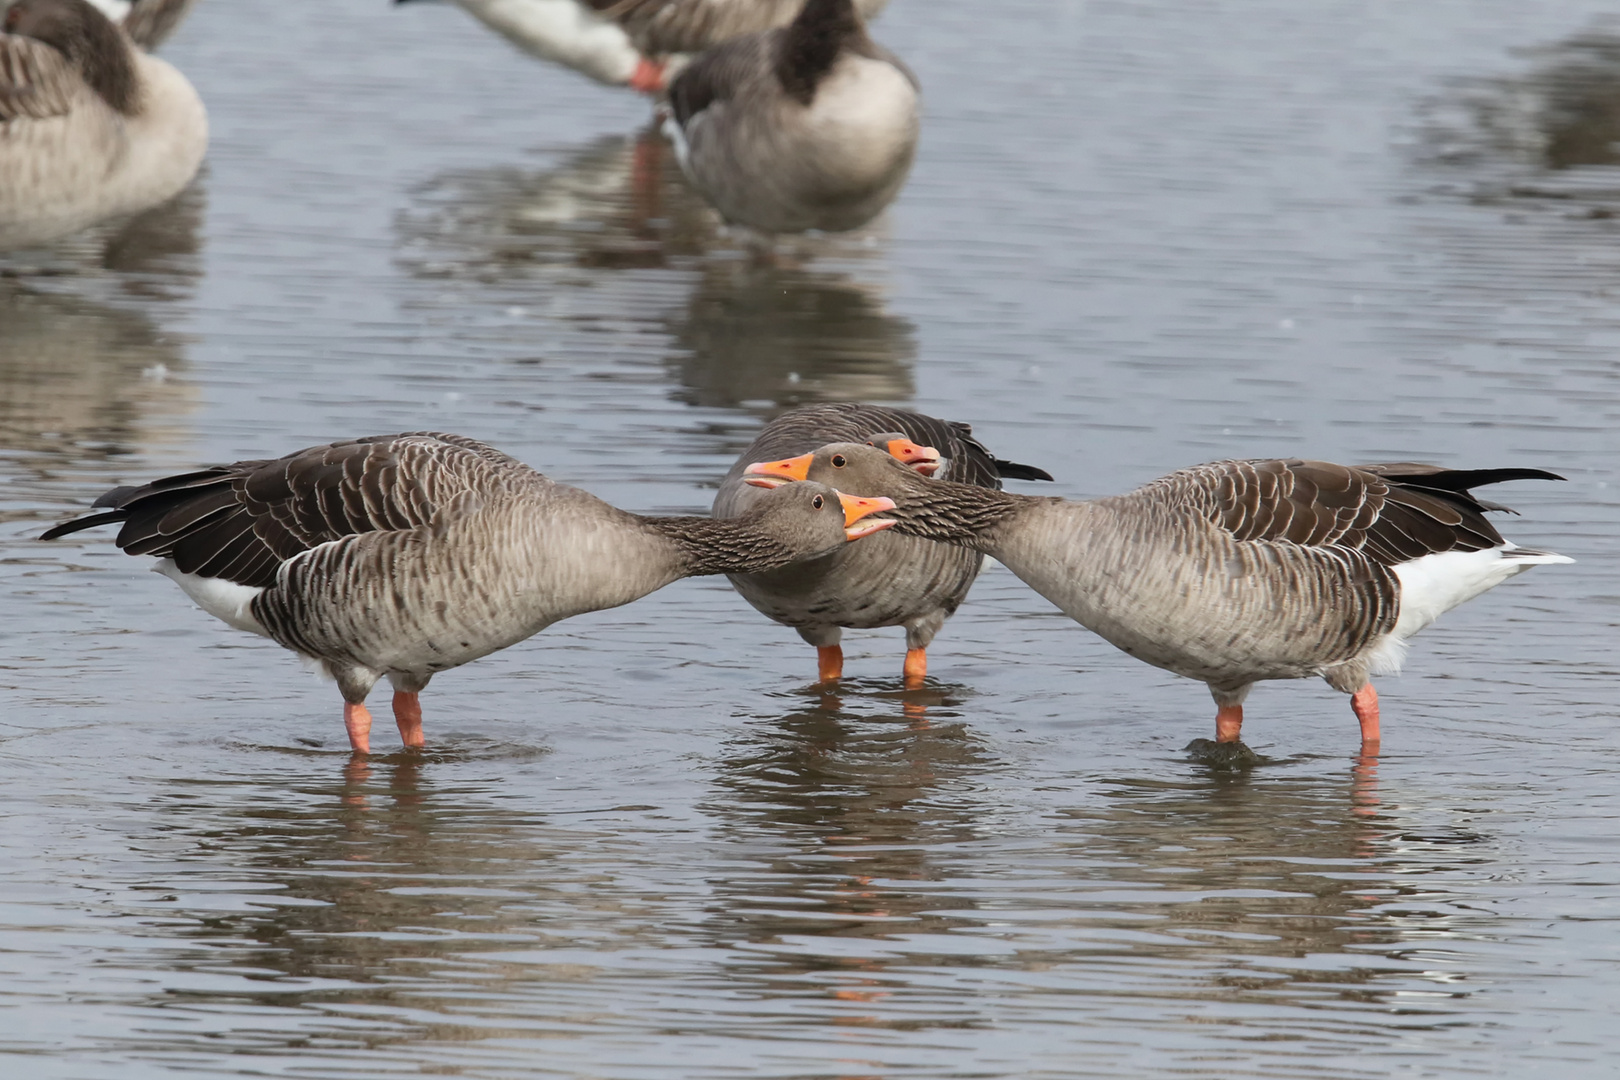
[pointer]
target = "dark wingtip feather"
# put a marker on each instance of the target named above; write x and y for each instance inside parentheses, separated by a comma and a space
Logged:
(1012, 470)
(56, 532)
(116, 497)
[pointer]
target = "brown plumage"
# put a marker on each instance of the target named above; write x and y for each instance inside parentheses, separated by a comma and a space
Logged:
(150, 22)
(90, 128)
(405, 555)
(1232, 572)
(889, 580)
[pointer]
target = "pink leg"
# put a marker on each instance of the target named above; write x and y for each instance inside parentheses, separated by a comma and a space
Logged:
(648, 77)
(916, 667)
(358, 722)
(830, 663)
(1228, 723)
(1365, 704)
(408, 715)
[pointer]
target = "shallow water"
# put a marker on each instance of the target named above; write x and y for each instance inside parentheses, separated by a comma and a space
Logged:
(1138, 236)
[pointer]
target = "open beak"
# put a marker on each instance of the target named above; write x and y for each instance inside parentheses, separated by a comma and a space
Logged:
(856, 508)
(925, 459)
(770, 474)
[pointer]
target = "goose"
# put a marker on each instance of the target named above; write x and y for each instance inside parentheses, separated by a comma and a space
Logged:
(634, 43)
(90, 127)
(406, 555)
(147, 22)
(811, 126)
(890, 580)
(1231, 572)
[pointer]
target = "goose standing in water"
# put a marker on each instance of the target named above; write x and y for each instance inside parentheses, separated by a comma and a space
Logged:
(634, 43)
(1232, 572)
(889, 580)
(406, 555)
(91, 128)
(812, 126)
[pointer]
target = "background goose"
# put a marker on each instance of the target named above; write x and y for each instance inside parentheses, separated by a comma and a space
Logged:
(405, 555)
(889, 580)
(635, 43)
(90, 127)
(812, 126)
(1232, 572)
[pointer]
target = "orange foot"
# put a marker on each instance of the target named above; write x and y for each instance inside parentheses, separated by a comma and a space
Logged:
(408, 715)
(1229, 723)
(1365, 704)
(829, 663)
(648, 77)
(916, 668)
(358, 722)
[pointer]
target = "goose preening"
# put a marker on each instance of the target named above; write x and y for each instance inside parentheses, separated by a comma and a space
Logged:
(889, 580)
(1231, 572)
(91, 128)
(635, 43)
(147, 22)
(406, 555)
(811, 126)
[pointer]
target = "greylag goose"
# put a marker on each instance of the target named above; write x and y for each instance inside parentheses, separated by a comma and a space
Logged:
(1232, 572)
(147, 22)
(90, 127)
(635, 43)
(407, 555)
(890, 580)
(812, 126)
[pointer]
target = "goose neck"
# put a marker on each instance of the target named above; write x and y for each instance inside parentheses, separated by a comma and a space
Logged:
(721, 545)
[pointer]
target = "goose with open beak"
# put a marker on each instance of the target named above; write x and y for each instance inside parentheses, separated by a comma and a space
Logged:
(891, 581)
(407, 555)
(1232, 572)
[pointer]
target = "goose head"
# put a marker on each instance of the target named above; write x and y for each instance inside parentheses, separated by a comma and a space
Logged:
(854, 466)
(79, 31)
(816, 518)
(926, 460)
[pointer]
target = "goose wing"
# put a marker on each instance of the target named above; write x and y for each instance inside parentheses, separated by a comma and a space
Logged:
(660, 27)
(150, 22)
(240, 522)
(1392, 512)
(36, 81)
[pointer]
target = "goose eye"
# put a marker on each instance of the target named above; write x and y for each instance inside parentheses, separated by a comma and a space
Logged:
(839, 461)
(818, 502)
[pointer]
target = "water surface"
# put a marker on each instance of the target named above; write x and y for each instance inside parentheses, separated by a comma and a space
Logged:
(641, 845)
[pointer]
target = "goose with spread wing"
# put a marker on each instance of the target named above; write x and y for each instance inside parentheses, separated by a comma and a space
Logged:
(1233, 572)
(406, 555)
(91, 128)
(634, 43)
(890, 580)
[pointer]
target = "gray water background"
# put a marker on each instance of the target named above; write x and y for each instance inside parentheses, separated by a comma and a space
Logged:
(1138, 236)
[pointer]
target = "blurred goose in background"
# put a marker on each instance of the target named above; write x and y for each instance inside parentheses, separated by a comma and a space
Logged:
(1232, 572)
(812, 126)
(91, 128)
(406, 555)
(889, 580)
(635, 43)
(147, 22)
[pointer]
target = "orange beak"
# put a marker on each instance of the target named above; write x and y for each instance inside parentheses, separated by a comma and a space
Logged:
(856, 508)
(925, 459)
(769, 474)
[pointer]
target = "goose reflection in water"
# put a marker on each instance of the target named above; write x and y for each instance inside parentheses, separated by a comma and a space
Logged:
(1550, 131)
(768, 338)
(861, 853)
(618, 203)
(80, 380)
